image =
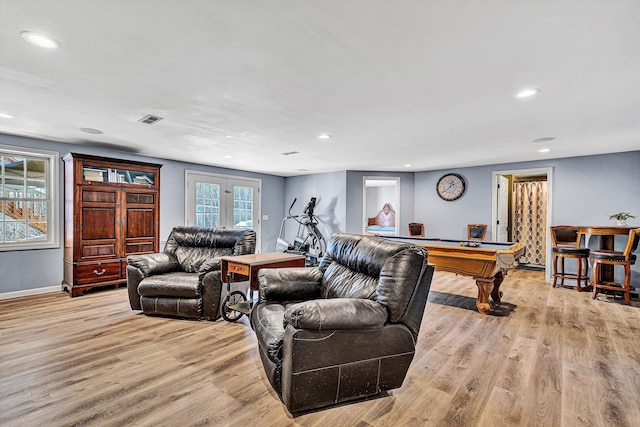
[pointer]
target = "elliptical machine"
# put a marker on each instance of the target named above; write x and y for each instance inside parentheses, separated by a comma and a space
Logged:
(309, 241)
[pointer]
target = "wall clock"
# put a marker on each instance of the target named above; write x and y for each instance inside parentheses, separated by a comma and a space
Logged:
(450, 187)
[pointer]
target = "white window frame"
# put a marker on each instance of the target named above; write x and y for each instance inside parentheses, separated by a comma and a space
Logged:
(52, 185)
(257, 226)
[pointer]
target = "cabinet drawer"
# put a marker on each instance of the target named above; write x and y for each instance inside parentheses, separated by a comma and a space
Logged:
(238, 268)
(98, 272)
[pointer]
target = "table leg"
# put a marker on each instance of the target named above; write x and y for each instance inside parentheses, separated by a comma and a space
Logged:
(607, 244)
(485, 287)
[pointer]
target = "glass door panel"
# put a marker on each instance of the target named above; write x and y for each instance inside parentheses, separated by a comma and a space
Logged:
(207, 206)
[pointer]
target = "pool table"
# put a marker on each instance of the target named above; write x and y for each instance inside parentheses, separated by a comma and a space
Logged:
(487, 264)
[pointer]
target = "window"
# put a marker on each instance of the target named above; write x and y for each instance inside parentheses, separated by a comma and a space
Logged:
(28, 199)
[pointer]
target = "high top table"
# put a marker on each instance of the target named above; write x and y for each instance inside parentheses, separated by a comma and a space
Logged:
(607, 234)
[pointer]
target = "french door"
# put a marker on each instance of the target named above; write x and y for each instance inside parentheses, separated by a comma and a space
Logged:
(222, 201)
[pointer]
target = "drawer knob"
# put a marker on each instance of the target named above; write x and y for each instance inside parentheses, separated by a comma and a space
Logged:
(99, 273)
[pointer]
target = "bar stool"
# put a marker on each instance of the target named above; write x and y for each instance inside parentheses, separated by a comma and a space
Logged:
(625, 259)
(416, 229)
(566, 243)
(476, 231)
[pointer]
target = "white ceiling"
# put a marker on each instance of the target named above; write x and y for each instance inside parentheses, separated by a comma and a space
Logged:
(426, 83)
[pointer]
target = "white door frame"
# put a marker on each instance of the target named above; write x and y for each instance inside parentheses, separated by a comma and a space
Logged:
(548, 172)
(257, 226)
(396, 185)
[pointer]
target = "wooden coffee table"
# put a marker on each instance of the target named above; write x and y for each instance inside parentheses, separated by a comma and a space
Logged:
(245, 267)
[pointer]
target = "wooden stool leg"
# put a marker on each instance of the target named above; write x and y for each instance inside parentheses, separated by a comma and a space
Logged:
(627, 283)
(586, 272)
(555, 269)
(579, 275)
(562, 273)
(596, 279)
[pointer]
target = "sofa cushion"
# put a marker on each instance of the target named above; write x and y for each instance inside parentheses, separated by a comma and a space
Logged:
(180, 307)
(352, 265)
(191, 259)
(176, 284)
(341, 282)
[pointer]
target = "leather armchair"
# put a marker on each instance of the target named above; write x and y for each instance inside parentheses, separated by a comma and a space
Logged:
(184, 280)
(346, 329)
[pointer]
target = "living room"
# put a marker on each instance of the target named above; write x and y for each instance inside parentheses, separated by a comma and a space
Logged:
(587, 183)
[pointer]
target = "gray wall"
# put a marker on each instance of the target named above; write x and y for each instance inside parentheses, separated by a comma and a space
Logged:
(24, 270)
(586, 190)
(329, 189)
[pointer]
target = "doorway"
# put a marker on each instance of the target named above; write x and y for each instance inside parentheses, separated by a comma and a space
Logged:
(380, 205)
(522, 207)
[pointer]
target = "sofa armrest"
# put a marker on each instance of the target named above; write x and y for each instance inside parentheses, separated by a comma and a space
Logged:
(208, 266)
(151, 264)
(336, 313)
(289, 284)
(134, 277)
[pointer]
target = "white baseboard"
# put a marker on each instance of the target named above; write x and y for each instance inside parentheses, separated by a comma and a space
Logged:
(26, 292)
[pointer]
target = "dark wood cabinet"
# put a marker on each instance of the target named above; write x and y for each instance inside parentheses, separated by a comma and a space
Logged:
(112, 210)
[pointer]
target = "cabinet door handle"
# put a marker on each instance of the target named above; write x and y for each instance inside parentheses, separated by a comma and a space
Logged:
(99, 273)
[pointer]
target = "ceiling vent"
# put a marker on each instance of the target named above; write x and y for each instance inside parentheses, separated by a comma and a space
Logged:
(290, 153)
(149, 119)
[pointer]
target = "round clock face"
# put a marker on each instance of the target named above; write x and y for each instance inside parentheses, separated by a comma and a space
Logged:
(450, 187)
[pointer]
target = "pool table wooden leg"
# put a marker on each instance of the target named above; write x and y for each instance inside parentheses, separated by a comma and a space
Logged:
(485, 286)
(488, 287)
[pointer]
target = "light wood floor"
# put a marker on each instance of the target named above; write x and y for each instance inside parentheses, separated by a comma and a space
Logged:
(549, 357)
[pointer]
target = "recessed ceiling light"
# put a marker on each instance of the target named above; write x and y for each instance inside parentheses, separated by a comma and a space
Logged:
(228, 157)
(7, 116)
(229, 137)
(92, 131)
(408, 165)
(525, 93)
(324, 136)
(544, 139)
(544, 150)
(40, 40)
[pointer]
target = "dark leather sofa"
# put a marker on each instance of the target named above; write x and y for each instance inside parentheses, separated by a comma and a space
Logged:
(346, 329)
(184, 280)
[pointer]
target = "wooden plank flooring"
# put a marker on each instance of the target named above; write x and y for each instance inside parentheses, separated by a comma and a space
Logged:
(547, 357)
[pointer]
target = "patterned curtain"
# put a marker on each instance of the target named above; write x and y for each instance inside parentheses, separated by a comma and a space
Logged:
(530, 220)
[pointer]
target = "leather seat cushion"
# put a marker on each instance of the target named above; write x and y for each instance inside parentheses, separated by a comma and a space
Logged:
(176, 284)
(612, 256)
(163, 306)
(269, 328)
(570, 250)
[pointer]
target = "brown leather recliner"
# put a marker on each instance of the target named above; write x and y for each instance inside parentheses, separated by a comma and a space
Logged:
(346, 329)
(184, 280)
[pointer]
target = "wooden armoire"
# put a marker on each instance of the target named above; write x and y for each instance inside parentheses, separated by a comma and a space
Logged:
(112, 210)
